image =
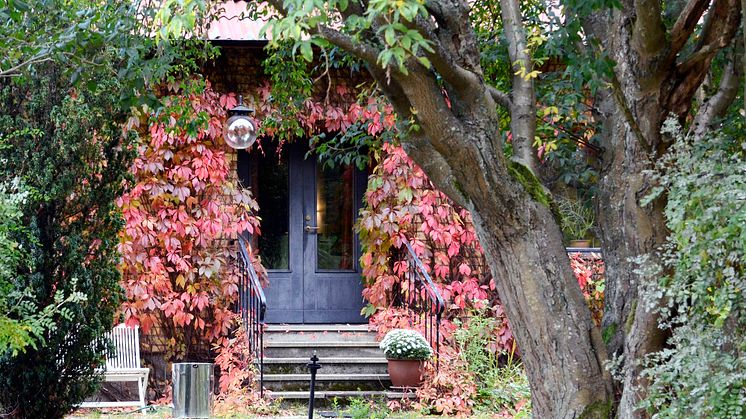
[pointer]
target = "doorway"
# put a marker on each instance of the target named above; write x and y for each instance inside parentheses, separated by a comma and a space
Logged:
(308, 242)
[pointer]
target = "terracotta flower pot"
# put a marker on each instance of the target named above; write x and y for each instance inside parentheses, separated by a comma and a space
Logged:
(406, 372)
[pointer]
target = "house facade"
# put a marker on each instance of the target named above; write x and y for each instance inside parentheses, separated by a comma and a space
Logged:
(308, 242)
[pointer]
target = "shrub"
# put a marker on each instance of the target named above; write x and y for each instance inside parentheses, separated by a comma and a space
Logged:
(405, 344)
(238, 388)
(449, 389)
(67, 147)
(702, 372)
(501, 383)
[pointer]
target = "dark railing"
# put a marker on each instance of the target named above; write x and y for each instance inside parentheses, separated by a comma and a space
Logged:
(583, 250)
(421, 298)
(252, 306)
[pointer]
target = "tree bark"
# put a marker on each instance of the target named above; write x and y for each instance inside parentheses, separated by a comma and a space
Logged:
(561, 348)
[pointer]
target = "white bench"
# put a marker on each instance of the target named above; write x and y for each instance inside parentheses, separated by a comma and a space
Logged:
(124, 365)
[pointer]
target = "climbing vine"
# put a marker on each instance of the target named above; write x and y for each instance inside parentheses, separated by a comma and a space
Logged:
(180, 212)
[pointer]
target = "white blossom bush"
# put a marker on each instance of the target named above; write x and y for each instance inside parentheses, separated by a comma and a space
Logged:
(405, 344)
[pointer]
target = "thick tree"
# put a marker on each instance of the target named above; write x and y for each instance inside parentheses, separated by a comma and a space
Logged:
(646, 59)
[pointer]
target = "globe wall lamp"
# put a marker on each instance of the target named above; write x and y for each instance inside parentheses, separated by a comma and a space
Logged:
(240, 129)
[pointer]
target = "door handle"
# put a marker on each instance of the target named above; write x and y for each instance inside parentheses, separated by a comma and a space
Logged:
(310, 229)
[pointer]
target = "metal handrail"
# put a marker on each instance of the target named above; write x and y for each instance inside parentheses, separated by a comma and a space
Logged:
(583, 250)
(423, 299)
(252, 306)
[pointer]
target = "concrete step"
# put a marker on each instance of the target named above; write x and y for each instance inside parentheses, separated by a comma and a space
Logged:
(316, 328)
(305, 349)
(319, 336)
(342, 394)
(329, 365)
(327, 382)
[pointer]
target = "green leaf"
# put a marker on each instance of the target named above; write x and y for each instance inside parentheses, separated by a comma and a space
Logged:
(306, 51)
(389, 35)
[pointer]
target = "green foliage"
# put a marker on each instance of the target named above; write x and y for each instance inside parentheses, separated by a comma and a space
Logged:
(502, 384)
(15, 334)
(576, 218)
(354, 146)
(399, 42)
(100, 36)
(367, 409)
(67, 147)
(291, 86)
(703, 371)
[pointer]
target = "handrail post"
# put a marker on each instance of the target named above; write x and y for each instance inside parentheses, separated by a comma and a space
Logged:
(423, 300)
(252, 306)
(312, 366)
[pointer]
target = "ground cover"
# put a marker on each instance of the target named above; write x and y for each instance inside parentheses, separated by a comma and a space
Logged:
(354, 409)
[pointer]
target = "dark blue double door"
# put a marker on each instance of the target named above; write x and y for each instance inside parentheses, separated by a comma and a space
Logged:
(308, 243)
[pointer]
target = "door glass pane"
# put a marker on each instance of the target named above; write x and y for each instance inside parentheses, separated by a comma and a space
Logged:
(334, 217)
(272, 194)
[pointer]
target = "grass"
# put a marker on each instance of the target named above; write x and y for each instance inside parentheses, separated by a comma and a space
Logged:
(354, 409)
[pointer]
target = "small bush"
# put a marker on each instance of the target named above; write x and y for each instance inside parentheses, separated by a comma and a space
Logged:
(502, 384)
(66, 147)
(702, 372)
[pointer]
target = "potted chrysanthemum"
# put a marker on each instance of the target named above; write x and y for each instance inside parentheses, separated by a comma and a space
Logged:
(406, 352)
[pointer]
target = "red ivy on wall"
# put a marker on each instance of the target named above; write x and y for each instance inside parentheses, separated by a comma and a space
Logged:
(180, 212)
(184, 207)
(402, 204)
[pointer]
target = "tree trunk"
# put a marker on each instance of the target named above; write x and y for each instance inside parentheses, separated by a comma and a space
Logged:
(457, 144)
(628, 231)
(561, 348)
(632, 115)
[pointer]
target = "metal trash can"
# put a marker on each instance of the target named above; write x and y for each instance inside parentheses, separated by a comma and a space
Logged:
(193, 384)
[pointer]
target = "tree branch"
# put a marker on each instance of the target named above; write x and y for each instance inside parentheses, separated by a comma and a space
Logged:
(721, 26)
(502, 98)
(648, 34)
(716, 106)
(444, 61)
(523, 104)
(433, 114)
(416, 144)
(13, 71)
(393, 91)
(361, 50)
(685, 24)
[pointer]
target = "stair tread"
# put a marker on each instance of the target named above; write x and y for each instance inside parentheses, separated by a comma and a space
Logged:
(325, 377)
(341, 393)
(330, 360)
(322, 344)
(274, 328)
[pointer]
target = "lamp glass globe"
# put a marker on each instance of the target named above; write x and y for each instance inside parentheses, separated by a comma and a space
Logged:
(240, 132)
